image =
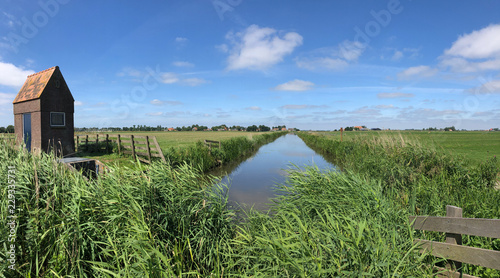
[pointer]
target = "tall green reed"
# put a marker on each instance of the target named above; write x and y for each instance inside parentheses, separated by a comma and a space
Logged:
(152, 222)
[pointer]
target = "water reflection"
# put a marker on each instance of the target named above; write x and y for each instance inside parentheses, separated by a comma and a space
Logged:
(252, 181)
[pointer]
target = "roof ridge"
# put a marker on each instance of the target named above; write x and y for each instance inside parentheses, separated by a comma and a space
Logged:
(36, 73)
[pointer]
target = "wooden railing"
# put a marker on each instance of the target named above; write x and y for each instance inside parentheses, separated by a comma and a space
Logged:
(455, 226)
(209, 144)
(140, 147)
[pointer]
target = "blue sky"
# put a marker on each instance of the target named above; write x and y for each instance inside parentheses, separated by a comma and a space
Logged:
(306, 64)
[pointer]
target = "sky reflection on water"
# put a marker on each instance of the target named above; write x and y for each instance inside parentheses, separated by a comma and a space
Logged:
(252, 181)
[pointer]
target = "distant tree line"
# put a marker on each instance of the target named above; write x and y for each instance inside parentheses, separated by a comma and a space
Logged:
(194, 127)
(448, 128)
(351, 128)
(8, 129)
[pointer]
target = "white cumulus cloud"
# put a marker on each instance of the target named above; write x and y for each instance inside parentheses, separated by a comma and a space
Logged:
(295, 85)
(474, 52)
(260, 48)
(13, 76)
(481, 44)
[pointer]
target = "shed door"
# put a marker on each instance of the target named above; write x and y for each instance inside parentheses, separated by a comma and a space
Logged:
(27, 130)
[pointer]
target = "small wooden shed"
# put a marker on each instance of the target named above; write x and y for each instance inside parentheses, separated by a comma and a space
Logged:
(43, 113)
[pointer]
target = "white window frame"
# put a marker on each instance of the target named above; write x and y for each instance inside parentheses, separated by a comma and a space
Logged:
(64, 119)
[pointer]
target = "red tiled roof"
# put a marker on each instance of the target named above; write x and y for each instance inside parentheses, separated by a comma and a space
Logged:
(34, 85)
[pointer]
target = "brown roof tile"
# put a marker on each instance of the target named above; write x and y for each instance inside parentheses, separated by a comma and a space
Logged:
(34, 85)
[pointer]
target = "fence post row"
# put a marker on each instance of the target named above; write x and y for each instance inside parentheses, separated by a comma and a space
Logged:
(132, 146)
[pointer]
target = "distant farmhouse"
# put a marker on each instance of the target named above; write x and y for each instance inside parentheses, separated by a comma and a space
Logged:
(43, 113)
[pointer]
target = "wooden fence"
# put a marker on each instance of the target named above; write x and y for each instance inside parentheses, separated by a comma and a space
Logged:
(455, 226)
(140, 147)
(209, 144)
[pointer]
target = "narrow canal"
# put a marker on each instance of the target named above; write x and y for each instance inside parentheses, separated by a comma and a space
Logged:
(252, 181)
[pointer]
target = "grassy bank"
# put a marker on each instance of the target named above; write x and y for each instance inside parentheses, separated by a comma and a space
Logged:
(477, 146)
(421, 180)
(154, 222)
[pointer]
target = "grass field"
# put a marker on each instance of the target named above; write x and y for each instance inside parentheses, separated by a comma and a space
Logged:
(185, 138)
(475, 145)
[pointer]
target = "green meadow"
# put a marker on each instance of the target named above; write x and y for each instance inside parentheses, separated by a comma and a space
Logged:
(475, 145)
(185, 138)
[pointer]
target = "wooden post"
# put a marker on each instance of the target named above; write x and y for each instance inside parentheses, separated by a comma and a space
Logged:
(86, 142)
(159, 150)
(96, 140)
(149, 149)
(107, 143)
(341, 131)
(452, 211)
(133, 146)
(119, 144)
(77, 142)
(219, 145)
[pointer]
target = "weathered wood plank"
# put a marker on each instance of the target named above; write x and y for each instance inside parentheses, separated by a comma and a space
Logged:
(133, 147)
(141, 154)
(453, 238)
(143, 160)
(127, 152)
(119, 144)
(140, 148)
(126, 141)
(156, 155)
(158, 149)
(465, 226)
(148, 149)
(465, 254)
(140, 136)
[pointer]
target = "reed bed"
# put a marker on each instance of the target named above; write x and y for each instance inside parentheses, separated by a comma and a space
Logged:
(154, 222)
(329, 225)
(422, 180)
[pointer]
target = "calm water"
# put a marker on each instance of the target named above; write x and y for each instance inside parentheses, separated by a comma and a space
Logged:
(252, 181)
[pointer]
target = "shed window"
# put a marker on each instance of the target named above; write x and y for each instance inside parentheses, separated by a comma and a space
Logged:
(57, 119)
